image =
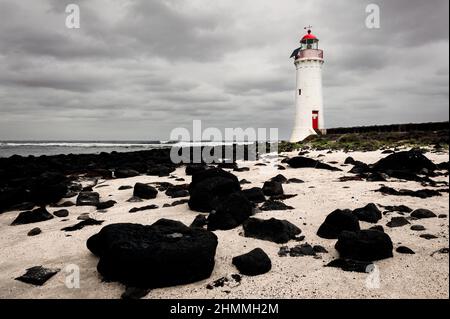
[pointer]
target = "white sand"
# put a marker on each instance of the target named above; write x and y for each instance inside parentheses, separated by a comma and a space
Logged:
(404, 276)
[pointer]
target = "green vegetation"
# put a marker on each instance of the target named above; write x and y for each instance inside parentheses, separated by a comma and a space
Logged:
(371, 141)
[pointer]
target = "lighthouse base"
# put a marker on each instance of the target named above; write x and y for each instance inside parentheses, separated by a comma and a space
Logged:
(300, 133)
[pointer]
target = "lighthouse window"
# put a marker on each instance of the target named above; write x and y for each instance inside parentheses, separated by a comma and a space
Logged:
(299, 92)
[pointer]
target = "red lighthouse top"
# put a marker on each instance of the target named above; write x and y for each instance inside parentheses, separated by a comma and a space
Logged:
(309, 36)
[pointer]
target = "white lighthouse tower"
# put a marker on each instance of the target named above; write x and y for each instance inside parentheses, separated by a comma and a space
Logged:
(308, 94)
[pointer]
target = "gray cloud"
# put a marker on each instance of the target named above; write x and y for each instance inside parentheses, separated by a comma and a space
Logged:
(137, 69)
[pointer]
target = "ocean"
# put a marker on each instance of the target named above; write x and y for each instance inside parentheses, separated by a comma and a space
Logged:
(38, 148)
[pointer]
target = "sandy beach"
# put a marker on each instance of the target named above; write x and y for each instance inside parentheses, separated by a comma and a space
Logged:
(420, 275)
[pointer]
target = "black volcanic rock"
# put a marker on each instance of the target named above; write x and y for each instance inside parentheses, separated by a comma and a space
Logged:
(199, 221)
(336, 222)
(209, 186)
(404, 250)
(417, 228)
(350, 265)
(422, 213)
(254, 195)
(106, 205)
(166, 253)
(35, 231)
(192, 169)
(397, 222)
(275, 230)
(364, 245)
(88, 199)
(279, 178)
(61, 213)
(82, 224)
(34, 216)
(301, 162)
(275, 205)
(369, 213)
(140, 209)
(253, 263)
(231, 211)
(144, 191)
(37, 275)
(177, 191)
(409, 161)
(423, 193)
(272, 188)
(125, 173)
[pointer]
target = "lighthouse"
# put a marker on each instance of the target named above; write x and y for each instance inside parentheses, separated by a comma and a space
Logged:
(308, 61)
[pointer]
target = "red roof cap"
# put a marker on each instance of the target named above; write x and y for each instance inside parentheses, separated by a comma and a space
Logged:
(309, 36)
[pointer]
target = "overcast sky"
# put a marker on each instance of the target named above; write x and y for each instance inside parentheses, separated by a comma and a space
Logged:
(138, 69)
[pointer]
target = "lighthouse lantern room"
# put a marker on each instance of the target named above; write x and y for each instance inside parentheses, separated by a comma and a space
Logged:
(308, 61)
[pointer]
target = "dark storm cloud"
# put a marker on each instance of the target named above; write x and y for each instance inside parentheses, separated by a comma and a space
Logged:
(137, 69)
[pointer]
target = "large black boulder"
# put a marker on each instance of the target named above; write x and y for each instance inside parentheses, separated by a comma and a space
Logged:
(209, 186)
(364, 245)
(231, 211)
(369, 213)
(301, 162)
(144, 191)
(166, 253)
(34, 216)
(253, 263)
(336, 222)
(411, 161)
(275, 230)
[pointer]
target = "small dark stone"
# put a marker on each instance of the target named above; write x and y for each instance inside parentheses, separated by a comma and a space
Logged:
(295, 181)
(88, 199)
(37, 275)
(61, 213)
(272, 188)
(442, 216)
(180, 202)
(417, 227)
(139, 209)
(350, 265)
(397, 222)
(404, 250)
(244, 182)
(34, 231)
(423, 213)
(106, 205)
(125, 187)
(125, 173)
(271, 205)
(82, 224)
(34, 216)
(144, 191)
(302, 250)
(428, 236)
(254, 263)
(134, 199)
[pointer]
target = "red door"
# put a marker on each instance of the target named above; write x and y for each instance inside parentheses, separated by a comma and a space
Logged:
(315, 120)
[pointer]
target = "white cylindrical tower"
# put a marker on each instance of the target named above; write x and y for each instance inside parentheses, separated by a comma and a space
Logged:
(308, 62)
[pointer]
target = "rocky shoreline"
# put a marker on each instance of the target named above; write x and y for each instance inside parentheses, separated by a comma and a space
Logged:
(141, 217)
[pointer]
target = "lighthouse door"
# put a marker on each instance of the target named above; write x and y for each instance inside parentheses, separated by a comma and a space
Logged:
(315, 120)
